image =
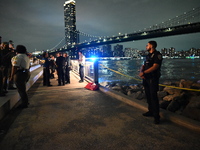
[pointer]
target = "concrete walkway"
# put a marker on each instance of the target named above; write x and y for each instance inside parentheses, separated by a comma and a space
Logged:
(71, 117)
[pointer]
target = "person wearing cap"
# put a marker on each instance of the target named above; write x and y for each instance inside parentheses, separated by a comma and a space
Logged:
(20, 73)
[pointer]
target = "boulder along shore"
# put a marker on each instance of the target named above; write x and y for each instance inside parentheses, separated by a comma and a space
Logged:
(181, 101)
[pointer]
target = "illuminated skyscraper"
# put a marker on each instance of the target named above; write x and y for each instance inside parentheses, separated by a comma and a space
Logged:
(71, 35)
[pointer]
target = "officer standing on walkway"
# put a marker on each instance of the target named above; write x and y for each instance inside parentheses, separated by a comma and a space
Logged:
(46, 70)
(68, 67)
(150, 73)
(60, 65)
(20, 73)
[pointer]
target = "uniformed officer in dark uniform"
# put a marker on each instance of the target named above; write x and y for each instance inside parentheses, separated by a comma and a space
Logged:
(60, 65)
(150, 73)
(46, 70)
(20, 73)
(68, 67)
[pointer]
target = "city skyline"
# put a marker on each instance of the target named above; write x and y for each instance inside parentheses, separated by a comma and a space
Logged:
(40, 25)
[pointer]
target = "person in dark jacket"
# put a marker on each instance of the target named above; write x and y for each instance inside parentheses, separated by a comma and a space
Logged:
(150, 73)
(46, 71)
(60, 65)
(52, 66)
(68, 67)
(6, 56)
(4, 49)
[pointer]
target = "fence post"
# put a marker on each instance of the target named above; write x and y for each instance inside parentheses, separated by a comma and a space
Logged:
(96, 71)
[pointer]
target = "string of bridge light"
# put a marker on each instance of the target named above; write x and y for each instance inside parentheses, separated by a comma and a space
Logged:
(185, 18)
(194, 13)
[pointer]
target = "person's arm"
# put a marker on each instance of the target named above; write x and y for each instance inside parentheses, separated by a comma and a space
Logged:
(141, 74)
(13, 72)
(151, 69)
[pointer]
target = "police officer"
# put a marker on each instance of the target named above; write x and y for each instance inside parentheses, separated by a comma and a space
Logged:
(46, 70)
(60, 64)
(150, 73)
(20, 73)
(68, 67)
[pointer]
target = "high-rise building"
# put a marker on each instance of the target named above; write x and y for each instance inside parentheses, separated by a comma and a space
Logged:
(107, 51)
(118, 51)
(171, 52)
(71, 35)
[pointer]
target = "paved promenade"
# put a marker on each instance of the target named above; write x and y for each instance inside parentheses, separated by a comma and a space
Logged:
(71, 117)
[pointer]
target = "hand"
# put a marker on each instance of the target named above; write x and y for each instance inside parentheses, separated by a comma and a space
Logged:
(11, 78)
(142, 75)
(1, 68)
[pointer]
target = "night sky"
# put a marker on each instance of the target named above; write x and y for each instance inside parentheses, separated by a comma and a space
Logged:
(39, 24)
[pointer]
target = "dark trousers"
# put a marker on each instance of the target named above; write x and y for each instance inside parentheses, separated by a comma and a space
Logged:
(5, 78)
(46, 76)
(11, 82)
(67, 74)
(81, 72)
(20, 79)
(1, 79)
(61, 75)
(52, 70)
(151, 88)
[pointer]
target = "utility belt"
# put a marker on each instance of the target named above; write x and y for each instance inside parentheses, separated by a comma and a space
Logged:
(153, 75)
(23, 70)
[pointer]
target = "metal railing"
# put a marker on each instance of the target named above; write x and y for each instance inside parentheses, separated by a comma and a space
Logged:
(88, 69)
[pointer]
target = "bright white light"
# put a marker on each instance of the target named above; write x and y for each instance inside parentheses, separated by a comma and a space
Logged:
(69, 1)
(93, 58)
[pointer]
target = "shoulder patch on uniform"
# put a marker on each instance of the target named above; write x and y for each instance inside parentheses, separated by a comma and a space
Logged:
(159, 56)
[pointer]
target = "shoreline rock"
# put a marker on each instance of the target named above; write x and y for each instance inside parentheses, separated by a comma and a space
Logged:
(184, 102)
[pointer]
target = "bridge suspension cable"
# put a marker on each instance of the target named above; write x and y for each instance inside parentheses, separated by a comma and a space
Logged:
(192, 16)
(58, 44)
(189, 17)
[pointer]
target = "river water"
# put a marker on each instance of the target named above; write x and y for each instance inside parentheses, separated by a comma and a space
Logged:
(171, 70)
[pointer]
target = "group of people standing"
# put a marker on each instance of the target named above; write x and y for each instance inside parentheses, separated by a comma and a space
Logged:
(6, 54)
(14, 66)
(14, 69)
(62, 64)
